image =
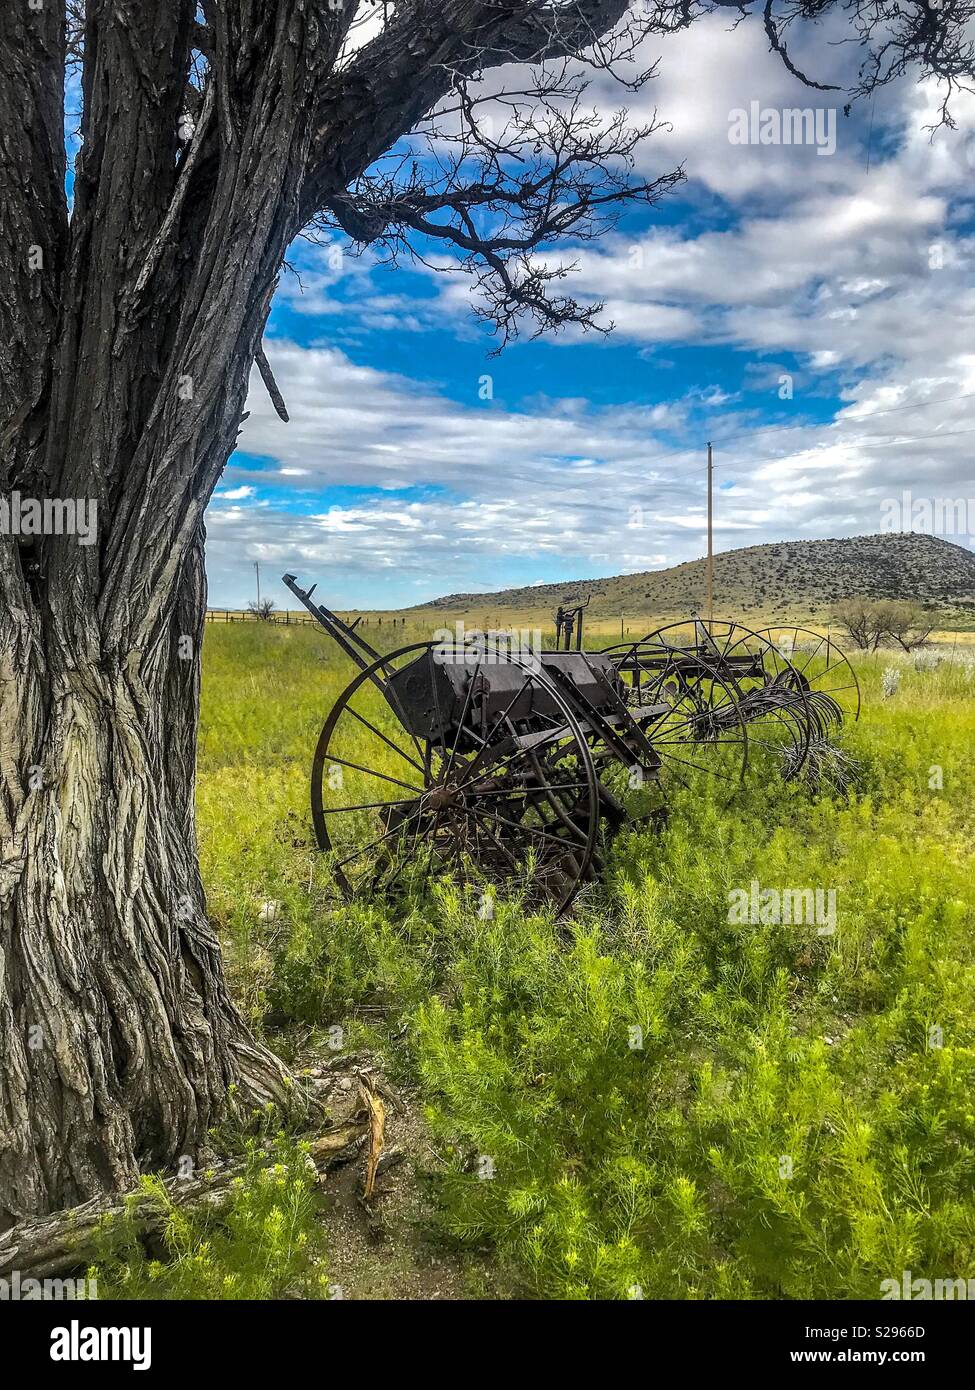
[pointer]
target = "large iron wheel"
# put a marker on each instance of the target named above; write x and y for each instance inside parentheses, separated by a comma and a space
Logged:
(502, 796)
(822, 668)
(773, 701)
(698, 729)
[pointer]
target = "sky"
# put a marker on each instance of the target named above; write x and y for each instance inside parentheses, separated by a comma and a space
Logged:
(808, 312)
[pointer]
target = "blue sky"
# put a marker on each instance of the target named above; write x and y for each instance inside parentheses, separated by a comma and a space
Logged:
(403, 475)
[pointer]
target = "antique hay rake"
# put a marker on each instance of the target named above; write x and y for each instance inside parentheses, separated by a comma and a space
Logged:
(792, 686)
(515, 767)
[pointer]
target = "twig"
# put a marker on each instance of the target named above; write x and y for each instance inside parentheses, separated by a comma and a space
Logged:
(53, 1244)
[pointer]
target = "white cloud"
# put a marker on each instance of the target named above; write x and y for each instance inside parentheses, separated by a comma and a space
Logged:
(854, 271)
(595, 489)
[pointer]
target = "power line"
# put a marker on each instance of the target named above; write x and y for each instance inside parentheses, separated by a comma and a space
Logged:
(855, 420)
(850, 420)
(915, 405)
(882, 442)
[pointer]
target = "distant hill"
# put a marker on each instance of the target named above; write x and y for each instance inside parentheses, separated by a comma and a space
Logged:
(787, 578)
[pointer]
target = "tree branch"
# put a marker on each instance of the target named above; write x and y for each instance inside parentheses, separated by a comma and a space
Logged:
(53, 1245)
(267, 376)
(400, 76)
(550, 32)
(777, 45)
(556, 171)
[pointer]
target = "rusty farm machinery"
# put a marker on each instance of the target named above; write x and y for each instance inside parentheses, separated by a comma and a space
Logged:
(513, 766)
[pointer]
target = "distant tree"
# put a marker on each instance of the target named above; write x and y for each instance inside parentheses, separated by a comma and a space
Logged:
(856, 617)
(872, 623)
(907, 624)
(881, 615)
(262, 609)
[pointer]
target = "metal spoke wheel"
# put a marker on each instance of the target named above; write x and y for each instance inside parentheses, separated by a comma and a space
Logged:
(822, 669)
(773, 702)
(481, 772)
(698, 729)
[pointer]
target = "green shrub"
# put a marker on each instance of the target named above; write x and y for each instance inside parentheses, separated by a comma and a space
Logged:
(265, 1242)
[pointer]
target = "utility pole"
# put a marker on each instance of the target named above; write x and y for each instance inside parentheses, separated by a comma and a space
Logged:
(257, 571)
(710, 567)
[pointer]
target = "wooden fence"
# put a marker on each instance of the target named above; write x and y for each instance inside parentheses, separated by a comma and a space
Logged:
(287, 619)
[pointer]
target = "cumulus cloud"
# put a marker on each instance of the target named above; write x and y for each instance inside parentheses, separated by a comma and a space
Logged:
(846, 273)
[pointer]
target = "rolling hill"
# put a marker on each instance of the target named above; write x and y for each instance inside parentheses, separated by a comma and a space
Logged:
(790, 578)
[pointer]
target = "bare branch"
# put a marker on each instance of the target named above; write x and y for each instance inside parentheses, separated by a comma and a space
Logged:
(777, 45)
(555, 172)
(425, 48)
(267, 376)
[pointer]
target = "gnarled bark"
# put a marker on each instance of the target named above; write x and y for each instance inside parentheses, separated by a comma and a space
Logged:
(121, 1045)
(120, 1042)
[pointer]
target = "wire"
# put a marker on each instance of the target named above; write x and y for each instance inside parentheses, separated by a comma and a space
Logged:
(916, 405)
(850, 419)
(883, 442)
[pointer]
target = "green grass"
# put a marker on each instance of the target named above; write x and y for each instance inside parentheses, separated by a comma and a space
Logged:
(786, 1129)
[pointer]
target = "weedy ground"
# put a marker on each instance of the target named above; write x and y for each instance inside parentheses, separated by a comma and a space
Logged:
(648, 1100)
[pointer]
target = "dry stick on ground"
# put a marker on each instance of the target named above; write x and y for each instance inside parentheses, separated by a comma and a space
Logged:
(53, 1245)
(377, 1134)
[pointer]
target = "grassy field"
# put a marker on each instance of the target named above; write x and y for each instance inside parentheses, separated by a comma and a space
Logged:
(650, 1100)
(422, 624)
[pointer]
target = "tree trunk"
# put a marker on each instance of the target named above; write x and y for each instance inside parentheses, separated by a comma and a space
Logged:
(127, 334)
(120, 1042)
